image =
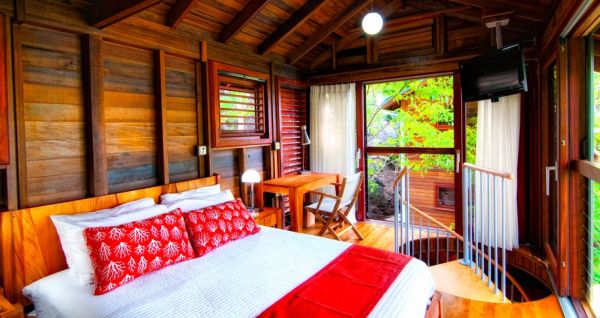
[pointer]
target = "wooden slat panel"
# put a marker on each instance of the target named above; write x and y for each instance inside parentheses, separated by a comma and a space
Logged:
(131, 114)
(181, 118)
(53, 116)
(293, 116)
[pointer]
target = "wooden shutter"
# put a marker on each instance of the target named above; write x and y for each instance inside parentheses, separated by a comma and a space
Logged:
(241, 107)
(293, 116)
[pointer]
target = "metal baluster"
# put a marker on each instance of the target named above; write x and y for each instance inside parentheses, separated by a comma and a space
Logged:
(465, 218)
(476, 232)
(412, 222)
(396, 225)
(437, 246)
(447, 246)
(503, 244)
(489, 240)
(428, 239)
(495, 238)
(420, 237)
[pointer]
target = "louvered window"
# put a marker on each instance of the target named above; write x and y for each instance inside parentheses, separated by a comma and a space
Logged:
(241, 106)
(293, 116)
(240, 111)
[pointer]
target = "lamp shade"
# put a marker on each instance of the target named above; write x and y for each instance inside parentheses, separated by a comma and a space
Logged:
(372, 23)
(251, 176)
(304, 141)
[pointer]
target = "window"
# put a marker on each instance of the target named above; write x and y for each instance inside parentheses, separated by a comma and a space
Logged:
(444, 196)
(240, 108)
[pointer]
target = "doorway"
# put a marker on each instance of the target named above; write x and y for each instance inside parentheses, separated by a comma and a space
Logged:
(411, 122)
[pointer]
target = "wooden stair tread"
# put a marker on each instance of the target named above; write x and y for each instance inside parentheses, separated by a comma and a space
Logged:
(457, 307)
(456, 279)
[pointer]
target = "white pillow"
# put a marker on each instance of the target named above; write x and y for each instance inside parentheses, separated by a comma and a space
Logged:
(199, 202)
(70, 231)
(171, 197)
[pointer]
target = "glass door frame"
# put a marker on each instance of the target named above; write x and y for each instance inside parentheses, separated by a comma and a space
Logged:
(458, 151)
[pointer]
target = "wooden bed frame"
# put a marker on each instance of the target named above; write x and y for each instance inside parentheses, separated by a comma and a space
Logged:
(30, 247)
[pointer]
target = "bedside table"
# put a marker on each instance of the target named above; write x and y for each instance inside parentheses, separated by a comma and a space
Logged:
(8, 310)
(270, 217)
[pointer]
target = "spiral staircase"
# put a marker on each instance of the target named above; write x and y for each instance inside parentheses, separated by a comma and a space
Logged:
(474, 270)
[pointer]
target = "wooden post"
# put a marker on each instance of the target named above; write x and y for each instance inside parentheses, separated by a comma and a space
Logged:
(11, 172)
(202, 81)
(241, 161)
(440, 34)
(334, 54)
(93, 75)
(20, 117)
(160, 93)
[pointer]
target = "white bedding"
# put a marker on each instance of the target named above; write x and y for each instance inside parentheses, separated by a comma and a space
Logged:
(240, 279)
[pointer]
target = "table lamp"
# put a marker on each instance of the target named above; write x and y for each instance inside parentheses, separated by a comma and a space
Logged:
(251, 176)
(304, 141)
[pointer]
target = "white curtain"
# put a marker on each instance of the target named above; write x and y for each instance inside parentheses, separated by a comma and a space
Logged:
(333, 130)
(498, 149)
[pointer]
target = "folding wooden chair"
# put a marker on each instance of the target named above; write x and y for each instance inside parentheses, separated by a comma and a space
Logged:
(332, 210)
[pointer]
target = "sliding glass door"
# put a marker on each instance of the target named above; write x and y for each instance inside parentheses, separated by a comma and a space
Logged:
(414, 123)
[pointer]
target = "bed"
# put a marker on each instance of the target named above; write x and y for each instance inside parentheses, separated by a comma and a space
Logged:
(240, 279)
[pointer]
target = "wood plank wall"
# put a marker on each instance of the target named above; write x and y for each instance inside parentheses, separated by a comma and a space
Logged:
(51, 112)
(105, 111)
(182, 123)
(130, 115)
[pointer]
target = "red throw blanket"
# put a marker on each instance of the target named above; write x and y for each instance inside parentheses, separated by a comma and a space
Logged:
(349, 286)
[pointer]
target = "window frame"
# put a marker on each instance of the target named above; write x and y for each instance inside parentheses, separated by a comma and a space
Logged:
(219, 139)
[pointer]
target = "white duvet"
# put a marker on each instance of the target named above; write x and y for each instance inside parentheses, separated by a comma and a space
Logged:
(240, 279)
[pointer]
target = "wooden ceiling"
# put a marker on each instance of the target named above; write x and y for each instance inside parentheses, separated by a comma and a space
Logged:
(324, 34)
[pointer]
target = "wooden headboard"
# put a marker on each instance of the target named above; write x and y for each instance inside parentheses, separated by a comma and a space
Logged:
(30, 245)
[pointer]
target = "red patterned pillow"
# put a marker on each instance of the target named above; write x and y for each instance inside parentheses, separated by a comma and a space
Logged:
(216, 225)
(121, 253)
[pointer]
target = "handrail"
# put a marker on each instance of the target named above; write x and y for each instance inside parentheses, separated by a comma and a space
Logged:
(479, 251)
(500, 174)
(402, 173)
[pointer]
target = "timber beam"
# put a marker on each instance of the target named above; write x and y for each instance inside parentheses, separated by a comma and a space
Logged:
(106, 13)
(241, 20)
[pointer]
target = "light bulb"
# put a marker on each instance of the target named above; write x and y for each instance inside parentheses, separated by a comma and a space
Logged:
(372, 23)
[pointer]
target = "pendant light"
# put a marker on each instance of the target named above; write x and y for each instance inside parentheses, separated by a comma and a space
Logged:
(372, 22)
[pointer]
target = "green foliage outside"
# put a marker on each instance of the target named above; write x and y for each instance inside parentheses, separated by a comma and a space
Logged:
(596, 233)
(596, 186)
(412, 113)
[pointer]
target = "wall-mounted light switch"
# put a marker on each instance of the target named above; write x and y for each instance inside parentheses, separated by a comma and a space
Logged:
(201, 150)
(276, 145)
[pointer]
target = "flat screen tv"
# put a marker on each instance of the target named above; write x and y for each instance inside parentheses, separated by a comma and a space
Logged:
(495, 74)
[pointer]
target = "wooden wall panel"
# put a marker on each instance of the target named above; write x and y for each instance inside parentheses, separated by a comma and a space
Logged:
(130, 116)
(225, 163)
(293, 114)
(182, 123)
(53, 115)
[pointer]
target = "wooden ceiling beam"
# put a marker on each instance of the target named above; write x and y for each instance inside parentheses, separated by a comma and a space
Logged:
(336, 22)
(109, 12)
(356, 33)
(289, 26)
(241, 20)
(178, 12)
(523, 27)
(523, 10)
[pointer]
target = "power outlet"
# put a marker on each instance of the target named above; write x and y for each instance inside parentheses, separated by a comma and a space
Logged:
(201, 150)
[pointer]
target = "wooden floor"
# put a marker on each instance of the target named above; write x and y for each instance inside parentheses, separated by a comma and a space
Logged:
(381, 235)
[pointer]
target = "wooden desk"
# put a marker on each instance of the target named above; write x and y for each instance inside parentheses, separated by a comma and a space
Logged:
(295, 186)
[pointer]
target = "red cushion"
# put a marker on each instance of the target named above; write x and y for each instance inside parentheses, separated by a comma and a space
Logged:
(216, 225)
(121, 253)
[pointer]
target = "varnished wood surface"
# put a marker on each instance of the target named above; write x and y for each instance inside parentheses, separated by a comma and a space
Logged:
(298, 180)
(381, 235)
(30, 245)
(295, 186)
